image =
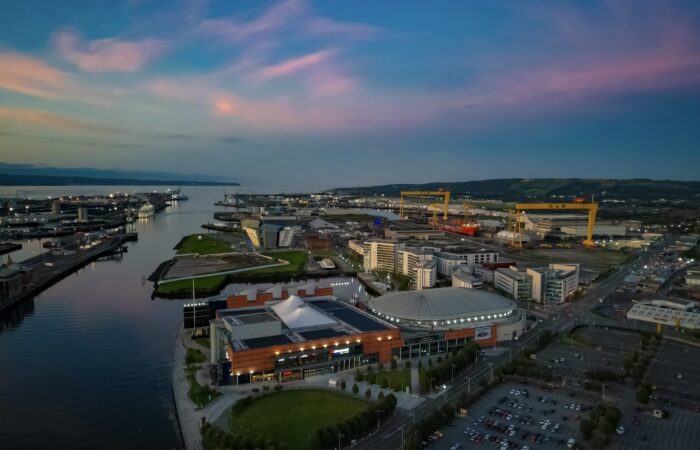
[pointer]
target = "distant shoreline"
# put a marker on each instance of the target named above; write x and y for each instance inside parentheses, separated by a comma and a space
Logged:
(50, 180)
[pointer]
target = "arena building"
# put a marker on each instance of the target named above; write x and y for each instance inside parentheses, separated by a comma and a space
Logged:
(434, 321)
(296, 337)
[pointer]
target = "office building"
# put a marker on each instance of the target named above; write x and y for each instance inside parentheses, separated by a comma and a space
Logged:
(513, 283)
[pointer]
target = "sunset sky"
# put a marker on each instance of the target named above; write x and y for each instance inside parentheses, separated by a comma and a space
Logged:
(309, 95)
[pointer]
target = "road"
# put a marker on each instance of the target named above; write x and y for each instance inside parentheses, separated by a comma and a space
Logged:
(390, 434)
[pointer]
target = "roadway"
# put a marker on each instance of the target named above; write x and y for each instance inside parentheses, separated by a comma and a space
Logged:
(389, 435)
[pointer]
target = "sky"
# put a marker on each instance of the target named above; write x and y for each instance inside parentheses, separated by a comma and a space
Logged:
(311, 95)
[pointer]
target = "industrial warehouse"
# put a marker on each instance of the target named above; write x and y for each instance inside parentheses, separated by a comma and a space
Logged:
(298, 335)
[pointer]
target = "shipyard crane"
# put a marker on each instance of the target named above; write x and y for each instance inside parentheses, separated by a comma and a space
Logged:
(444, 194)
(579, 203)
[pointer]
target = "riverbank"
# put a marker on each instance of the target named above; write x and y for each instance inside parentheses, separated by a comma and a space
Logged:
(48, 268)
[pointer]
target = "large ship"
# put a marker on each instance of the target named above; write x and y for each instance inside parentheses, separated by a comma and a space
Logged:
(466, 229)
(146, 211)
(177, 195)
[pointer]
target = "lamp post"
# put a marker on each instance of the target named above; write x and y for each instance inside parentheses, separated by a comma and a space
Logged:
(379, 415)
(469, 385)
(402, 436)
(339, 436)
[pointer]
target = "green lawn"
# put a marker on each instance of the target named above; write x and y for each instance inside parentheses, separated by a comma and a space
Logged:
(207, 245)
(200, 284)
(291, 416)
(200, 395)
(395, 379)
(194, 356)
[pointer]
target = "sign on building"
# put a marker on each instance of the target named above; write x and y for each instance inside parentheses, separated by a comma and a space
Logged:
(482, 333)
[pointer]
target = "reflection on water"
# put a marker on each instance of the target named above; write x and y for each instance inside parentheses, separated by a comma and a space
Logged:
(87, 363)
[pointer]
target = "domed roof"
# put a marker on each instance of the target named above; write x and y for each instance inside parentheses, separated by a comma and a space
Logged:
(442, 304)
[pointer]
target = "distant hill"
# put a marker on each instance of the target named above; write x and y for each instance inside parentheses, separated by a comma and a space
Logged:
(49, 180)
(515, 189)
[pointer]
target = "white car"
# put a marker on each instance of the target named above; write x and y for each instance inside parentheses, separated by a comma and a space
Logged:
(620, 430)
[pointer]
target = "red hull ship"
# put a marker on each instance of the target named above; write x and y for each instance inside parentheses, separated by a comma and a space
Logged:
(469, 229)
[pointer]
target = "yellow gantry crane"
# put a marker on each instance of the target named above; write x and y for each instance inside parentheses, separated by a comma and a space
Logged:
(578, 204)
(444, 194)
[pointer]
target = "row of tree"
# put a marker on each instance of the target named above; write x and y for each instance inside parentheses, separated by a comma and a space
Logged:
(600, 424)
(454, 362)
(213, 438)
(356, 426)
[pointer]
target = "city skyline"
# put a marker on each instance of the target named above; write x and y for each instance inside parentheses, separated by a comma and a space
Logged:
(311, 95)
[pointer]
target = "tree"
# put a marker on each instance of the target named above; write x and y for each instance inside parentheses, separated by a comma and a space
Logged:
(368, 393)
(612, 415)
(355, 388)
(342, 384)
(380, 366)
(393, 364)
(642, 396)
(587, 426)
(385, 383)
(358, 375)
(380, 396)
(407, 364)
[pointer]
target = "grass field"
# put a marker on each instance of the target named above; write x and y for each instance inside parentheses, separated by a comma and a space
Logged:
(200, 284)
(296, 260)
(207, 245)
(291, 416)
(395, 379)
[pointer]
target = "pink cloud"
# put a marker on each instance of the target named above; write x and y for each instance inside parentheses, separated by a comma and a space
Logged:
(293, 65)
(31, 76)
(331, 85)
(275, 18)
(288, 15)
(106, 55)
(326, 26)
(663, 67)
(38, 117)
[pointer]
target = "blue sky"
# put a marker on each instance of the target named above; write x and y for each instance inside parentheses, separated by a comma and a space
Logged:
(309, 95)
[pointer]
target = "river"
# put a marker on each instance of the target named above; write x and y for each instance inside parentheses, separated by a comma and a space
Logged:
(87, 363)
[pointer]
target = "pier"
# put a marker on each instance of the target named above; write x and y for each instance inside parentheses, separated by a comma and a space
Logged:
(49, 268)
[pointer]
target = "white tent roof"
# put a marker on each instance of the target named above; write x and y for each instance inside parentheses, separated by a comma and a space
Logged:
(296, 314)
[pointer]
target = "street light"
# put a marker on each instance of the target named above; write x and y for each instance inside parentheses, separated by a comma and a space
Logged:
(379, 413)
(339, 436)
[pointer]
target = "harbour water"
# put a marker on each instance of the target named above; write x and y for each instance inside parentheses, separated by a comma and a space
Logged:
(87, 363)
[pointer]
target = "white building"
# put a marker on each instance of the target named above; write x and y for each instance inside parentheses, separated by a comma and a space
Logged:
(580, 229)
(449, 258)
(554, 284)
(516, 284)
(464, 279)
(484, 274)
(425, 275)
(382, 255)
(675, 313)
(286, 236)
(414, 260)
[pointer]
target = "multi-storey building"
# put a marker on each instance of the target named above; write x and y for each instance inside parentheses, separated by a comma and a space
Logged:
(382, 255)
(515, 284)
(554, 284)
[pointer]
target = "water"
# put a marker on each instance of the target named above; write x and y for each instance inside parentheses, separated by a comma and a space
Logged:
(87, 364)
